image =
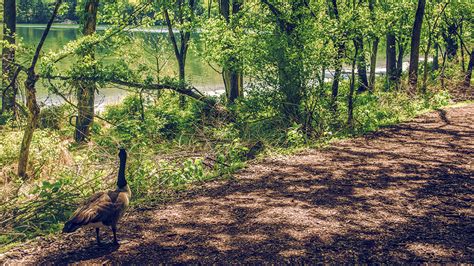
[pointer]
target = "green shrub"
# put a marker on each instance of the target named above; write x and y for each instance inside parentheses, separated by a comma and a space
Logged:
(52, 117)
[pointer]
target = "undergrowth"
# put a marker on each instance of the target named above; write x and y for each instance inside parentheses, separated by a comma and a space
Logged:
(170, 148)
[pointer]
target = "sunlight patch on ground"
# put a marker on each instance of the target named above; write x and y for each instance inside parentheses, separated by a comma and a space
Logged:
(427, 250)
(292, 253)
(221, 242)
(255, 238)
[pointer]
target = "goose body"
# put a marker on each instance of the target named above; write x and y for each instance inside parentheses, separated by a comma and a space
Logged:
(103, 209)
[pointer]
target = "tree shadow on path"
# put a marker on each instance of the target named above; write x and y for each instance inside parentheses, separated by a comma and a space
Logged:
(403, 194)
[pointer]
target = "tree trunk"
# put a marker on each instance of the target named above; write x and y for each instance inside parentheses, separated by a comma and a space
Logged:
(9, 85)
(182, 78)
(373, 54)
(467, 77)
(391, 61)
(436, 57)
(337, 75)
(86, 90)
(415, 45)
(363, 83)
(463, 63)
(233, 81)
(232, 76)
(185, 35)
(32, 123)
(31, 103)
(450, 39)
(341, 48)
(401, 53)
(373, 64)
(425, 66)
(236, 75)
(350, 97)
(224, 8)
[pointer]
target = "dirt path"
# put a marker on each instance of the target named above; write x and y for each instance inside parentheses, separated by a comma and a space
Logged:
(404, 194)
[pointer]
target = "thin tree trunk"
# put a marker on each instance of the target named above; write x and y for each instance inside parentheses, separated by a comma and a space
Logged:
(232, 76)
(86, 90)
(363, 83)
(463, 64)
(337, 75)
(373, 62)
(415, 45)
(236, 75)
(391, 63)
(443, 68)
(373, 54)
(341, 48)
(9, 85)
(350, 98)
(450, 39)
(182, 77)
(425, 65)
(436, 57)
(31, 103)
(428, 48)
(181, 51)
(467, 77)
(401, 53)
(32, 122)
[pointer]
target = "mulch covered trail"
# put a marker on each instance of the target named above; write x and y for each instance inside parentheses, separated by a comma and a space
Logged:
(403, 194)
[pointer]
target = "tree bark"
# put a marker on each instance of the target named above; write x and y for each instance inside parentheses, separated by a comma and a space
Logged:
(31, 103)
(337, 74)
(341, 49)
(467, 77)
(401, 53)
(391, 61)
(373, 54)
(32, 123)
(428, 48)
(232, 75)
(9, 86)
(373, 64)
(462, 48)
(450, 40)
(182, 76)
(181, 88)
(350, 97)
(435, 57)
(363, 83)
(86, 90)
(415, 45)
(181, 51)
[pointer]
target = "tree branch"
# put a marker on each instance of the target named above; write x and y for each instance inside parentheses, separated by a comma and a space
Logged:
(189, 91)
(45, 34)
(171, 33)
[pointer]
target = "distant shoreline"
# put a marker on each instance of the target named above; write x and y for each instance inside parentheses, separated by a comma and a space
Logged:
(153, 29)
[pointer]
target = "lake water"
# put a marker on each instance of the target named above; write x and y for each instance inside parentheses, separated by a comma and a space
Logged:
(198, 72)
(153, 41)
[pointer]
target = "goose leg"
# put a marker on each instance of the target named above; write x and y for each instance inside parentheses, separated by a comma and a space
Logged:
(97, 236)
(114, 230)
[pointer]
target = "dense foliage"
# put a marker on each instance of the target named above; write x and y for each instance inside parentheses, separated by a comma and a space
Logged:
(309, 77)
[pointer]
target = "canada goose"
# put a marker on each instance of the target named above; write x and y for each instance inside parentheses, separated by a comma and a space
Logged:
(104, 209)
